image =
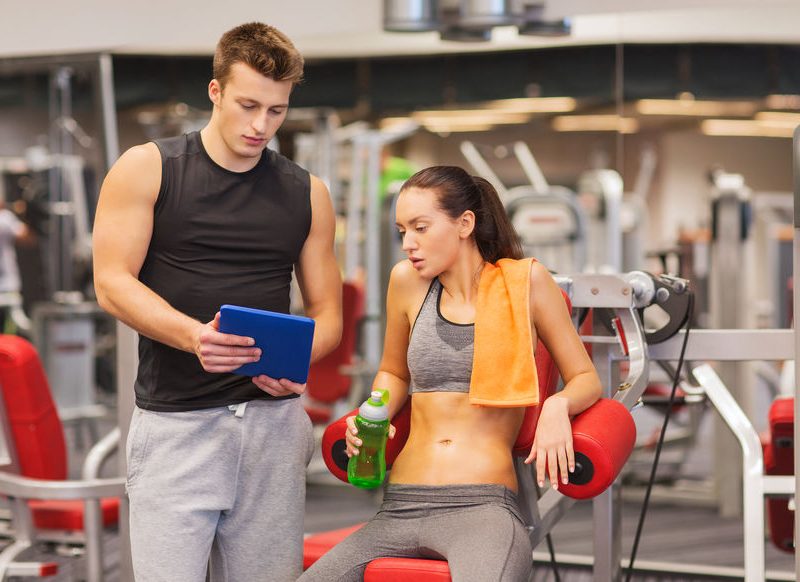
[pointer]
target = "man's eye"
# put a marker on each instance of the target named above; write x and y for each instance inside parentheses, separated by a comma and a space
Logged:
(248, 107)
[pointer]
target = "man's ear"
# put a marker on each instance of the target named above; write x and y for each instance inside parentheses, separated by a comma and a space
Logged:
(214, 91)
(466, 224)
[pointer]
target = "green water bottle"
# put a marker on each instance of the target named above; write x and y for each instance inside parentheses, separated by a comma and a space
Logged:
(367, 469)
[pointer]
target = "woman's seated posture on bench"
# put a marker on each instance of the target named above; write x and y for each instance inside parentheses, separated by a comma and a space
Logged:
(454, 344)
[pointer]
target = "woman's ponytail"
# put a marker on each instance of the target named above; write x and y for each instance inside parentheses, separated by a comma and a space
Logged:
(494, 233)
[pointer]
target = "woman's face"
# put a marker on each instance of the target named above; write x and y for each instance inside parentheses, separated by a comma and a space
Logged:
(431, 239)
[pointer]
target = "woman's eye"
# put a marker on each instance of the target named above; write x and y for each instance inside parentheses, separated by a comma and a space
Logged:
(421, 228)
(248, 107)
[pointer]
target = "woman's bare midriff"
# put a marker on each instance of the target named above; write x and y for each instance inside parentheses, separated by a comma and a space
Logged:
(453, 442)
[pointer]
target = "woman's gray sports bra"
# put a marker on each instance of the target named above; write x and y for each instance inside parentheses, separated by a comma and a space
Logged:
(439, 351)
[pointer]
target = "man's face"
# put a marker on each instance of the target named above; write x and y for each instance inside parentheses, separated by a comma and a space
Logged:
(250, 109)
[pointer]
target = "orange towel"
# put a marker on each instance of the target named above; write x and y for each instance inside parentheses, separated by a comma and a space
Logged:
(503, 368)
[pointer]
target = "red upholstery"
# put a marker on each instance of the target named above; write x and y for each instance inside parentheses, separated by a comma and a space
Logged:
(38, 434)
(35, 426)
(317, 544)
(60, 514)
(407, 570)
(603, 437)
(326, 382)
(779, 460)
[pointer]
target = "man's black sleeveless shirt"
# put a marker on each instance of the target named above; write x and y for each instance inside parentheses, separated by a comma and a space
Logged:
(218, 237)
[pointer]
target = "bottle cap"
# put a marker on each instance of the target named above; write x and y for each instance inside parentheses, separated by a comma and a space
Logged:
(373, 408)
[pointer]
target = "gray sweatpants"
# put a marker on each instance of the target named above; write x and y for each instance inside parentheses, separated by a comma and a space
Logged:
(210, 489)
(476, 528)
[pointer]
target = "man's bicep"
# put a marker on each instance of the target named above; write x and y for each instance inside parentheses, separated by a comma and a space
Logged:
(317, 269)
(124, 220)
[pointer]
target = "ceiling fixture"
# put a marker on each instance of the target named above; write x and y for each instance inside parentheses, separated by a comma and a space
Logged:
(470, 20)
(695, 108)
(610, 122)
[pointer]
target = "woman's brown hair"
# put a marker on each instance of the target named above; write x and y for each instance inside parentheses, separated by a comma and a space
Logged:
(457, 192)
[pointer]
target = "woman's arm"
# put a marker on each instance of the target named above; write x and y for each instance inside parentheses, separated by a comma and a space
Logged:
(552, 445)
(403, 295)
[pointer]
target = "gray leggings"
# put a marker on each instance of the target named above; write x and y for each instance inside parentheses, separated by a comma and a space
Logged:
(476, 528)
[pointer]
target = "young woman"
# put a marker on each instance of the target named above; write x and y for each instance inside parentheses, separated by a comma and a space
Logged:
(452, 490)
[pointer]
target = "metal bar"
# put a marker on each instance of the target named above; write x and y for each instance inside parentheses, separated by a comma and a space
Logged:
(372, 263)
(778, 485)
(127, 364)
(99, 453)
(552, 507)
(10, 66)
(796, 351)
(607, 540)
(93, 528)
(109, 109)
(482, 168)
(610, 291)
(26, 488)
(752, 469)
(352, 250)
(530, 167)
(728, 345)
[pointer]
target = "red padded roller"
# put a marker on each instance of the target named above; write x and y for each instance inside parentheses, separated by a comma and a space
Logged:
(333, 443)
(603, 437)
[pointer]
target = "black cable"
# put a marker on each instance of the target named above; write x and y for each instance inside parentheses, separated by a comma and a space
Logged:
(676, 380)
(552, 556)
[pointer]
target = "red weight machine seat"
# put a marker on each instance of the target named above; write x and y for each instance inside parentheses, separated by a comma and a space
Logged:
(327, 378)
(778, 448)
(36, 441)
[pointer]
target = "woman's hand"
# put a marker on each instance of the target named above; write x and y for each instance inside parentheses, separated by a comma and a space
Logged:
(552, 445)
(353, 442)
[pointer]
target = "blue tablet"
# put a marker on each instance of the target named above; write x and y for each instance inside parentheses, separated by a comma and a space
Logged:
(285, 341)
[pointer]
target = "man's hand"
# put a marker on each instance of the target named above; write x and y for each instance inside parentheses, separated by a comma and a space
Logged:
(222, 352)
(282, 387)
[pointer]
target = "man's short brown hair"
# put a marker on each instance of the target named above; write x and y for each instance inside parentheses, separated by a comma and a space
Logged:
(261, 47)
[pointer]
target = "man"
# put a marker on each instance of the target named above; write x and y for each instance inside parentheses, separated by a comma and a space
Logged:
(216, 461)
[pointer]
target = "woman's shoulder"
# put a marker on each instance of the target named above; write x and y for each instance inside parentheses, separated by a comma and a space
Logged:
(406, 282)
(404, 274)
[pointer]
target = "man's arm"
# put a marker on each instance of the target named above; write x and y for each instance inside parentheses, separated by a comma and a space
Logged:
(122, 230)
(318, 273)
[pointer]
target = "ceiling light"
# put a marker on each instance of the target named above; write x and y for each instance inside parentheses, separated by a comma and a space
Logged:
(695, 108)
(595, 123)
(534, 104)
(783, 101)
(748, 128)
